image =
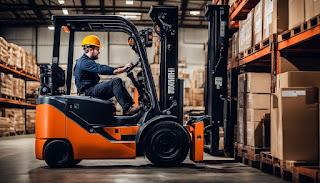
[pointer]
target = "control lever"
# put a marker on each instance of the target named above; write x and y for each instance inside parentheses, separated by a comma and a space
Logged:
(173, 104)
(196, 119)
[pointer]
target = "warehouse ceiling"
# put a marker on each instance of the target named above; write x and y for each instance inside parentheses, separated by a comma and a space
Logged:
(38, 12)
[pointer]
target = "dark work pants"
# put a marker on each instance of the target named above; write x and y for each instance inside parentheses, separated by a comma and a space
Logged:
(113, 88)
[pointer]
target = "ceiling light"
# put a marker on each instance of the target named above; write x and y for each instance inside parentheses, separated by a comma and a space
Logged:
(129, 2)
(61, 1)
(51, 27)
(194, 13)
(65, 11)
(131, 15)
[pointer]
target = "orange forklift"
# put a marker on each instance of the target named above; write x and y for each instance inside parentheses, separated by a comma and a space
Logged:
(72, 128)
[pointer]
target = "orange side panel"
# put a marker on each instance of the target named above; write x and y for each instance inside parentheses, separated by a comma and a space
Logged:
(136, 97)
(94, 146)
(116, 132)
(197, 136)
(50, 122)
(39, 148)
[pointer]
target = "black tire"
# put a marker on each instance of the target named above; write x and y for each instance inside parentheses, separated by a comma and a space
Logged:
(75, 162)
(166, 144)
(58, 154)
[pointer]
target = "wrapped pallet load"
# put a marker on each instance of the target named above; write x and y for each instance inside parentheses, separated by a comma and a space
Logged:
(311, 8)
(4, 55)
(253, 105)
(245, 33)
(6, 84)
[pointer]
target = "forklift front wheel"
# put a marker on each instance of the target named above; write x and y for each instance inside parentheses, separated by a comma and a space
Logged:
(166, 144)
(58, 154)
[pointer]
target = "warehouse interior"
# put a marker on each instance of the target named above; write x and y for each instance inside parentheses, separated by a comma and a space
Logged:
(225, 91)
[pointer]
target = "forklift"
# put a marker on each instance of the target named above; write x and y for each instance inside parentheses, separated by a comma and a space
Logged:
(72, 128)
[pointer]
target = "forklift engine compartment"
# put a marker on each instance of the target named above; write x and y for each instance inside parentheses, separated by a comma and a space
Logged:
(72, 128)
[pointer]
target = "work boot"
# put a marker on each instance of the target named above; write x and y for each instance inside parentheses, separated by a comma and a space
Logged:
(132, 110)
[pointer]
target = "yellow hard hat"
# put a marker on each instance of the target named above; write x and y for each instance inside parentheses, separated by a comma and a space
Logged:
(91, 40)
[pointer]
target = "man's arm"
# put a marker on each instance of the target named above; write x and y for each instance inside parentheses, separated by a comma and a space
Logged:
(92, 66)
(120, 70)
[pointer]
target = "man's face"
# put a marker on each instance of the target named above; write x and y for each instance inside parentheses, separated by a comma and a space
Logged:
(95, 53)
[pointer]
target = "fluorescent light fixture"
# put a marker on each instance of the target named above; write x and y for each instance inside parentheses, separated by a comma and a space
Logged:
(194, 13)
(129, 2)
(61, 1)
(131, 15)
(51, 27)
(65, 11)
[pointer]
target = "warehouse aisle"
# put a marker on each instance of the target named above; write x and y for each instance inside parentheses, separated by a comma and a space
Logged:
(18, 164)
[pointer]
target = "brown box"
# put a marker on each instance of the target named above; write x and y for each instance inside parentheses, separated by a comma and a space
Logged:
(245, 33)
(258, 101)
(275, 17)
(274, 120)
(298, 124)
(240, 126)
(298, 79)
(257, 23)
(296, 13)
(256, 115)
(254, 133)
(252, 82)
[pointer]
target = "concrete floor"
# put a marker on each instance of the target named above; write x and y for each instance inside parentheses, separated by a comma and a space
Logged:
(18, 164)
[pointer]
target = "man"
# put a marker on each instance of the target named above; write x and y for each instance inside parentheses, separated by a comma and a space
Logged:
(86, 72)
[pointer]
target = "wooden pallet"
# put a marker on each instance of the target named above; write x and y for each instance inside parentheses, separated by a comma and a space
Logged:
(286, 170)
(11, 97)
(257, 47)
(299, 29)
(306, 174)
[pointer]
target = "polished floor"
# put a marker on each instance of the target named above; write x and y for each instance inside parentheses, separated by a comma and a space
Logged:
(18, 164)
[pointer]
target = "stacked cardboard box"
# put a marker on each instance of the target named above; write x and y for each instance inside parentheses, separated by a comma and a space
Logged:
(4, 55)
(30, 65)
(18, 89)
(257, 23)
(15, 117)
(197, 87)
(295, 116)
(300, 11)
(6, 84)
(30, 121)
(245, 33)
(253, 105)
(32, 87)
(16, 55)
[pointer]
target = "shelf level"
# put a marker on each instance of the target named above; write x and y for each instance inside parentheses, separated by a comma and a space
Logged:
(240, 9)
(4, 102)
(299, 39)
(9, 70)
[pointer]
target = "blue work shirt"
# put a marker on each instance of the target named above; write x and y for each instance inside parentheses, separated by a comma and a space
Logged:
(86, 72)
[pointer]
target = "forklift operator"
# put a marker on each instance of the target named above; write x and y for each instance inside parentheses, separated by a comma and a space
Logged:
(86, 72)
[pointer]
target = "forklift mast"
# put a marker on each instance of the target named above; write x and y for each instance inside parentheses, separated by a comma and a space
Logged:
(216, 74)
(165, 20)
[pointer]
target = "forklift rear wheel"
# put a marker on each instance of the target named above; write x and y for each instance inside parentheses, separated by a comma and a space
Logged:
(166, 144)
(58, 154)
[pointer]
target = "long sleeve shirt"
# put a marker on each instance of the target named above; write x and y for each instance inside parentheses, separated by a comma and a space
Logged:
(86, 72)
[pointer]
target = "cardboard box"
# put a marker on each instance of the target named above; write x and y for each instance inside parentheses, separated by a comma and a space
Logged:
(254, 133)
(256, 115)
(257, 23)
(252, 82)
(245, 33)
(240, 126)
(311, 8)
(298, 79)
(258, 101)
(298, 124)
(275, 17)
(296, 13)
(274, 120)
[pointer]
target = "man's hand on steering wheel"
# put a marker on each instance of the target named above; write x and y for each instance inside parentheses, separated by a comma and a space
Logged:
(123, 69)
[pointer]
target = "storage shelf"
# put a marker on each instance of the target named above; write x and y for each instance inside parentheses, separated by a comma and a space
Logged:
(5, 102)
(240, 9)
(264, 52)
(299, 40)
(17, 73)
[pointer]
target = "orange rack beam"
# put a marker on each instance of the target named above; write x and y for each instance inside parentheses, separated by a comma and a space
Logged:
(241, 8)
(17, 103)
(259, 54)
(18, 73)
(299, 38)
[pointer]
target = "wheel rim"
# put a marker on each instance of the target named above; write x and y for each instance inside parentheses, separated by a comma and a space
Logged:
(165, 144)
